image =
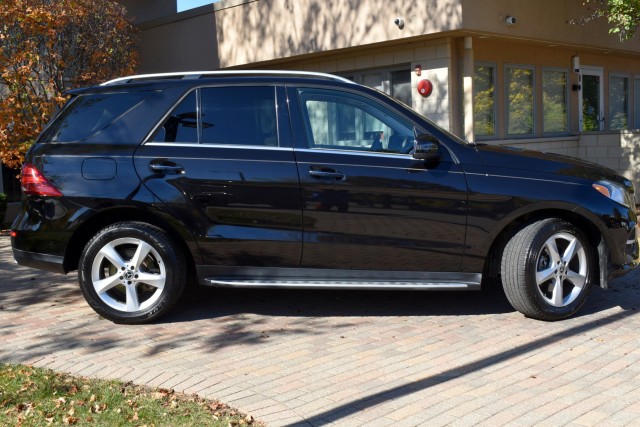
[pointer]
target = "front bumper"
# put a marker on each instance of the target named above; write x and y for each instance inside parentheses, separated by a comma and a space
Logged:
(631, 255)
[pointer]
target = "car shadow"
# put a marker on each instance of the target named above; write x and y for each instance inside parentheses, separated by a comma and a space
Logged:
(208, 303)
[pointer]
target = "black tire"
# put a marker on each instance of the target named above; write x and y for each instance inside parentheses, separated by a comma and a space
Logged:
(127, 290)
(543, 285)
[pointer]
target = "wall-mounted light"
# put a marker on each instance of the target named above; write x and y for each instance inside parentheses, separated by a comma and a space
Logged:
(418, 70)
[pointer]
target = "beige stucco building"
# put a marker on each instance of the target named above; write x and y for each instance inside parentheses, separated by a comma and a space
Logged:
(503, 71)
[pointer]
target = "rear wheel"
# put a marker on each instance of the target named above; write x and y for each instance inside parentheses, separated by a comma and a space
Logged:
(547, 269)
(131, 272)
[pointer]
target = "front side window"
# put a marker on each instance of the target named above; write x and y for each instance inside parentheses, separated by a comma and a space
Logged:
(520, 96)
(341, 120)
(618, 102)
(554, 101)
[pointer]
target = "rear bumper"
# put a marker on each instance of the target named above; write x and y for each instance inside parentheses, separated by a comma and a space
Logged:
(40, 261)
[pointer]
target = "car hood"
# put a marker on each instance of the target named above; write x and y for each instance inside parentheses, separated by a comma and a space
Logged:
(505, 157)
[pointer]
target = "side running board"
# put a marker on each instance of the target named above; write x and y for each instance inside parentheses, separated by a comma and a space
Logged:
(341, 284)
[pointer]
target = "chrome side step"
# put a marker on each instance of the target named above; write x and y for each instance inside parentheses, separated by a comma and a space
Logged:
(340, 284)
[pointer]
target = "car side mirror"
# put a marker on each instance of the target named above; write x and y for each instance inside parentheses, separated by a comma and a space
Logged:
(427, 148)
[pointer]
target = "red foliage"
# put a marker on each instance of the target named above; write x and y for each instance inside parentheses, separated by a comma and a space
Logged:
(48, 47)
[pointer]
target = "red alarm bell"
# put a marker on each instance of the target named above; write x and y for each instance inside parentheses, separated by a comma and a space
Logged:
(425, 87)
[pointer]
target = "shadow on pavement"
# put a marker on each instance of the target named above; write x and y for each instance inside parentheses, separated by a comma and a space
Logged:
(206, 303)
(342, 411)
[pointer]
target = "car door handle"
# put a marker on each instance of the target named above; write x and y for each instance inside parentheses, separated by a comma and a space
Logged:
(166, 167)
(327, 174)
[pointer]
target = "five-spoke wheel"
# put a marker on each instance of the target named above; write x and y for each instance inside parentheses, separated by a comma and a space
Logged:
(547, 269)
(131, 272)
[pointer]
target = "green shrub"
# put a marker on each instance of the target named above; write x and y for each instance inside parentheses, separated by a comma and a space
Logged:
(3, 206)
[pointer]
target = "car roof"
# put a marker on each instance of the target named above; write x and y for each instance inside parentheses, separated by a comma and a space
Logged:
(195, 75)
(197, 78)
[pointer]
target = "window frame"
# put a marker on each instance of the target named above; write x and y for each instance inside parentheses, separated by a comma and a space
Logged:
(534, 101)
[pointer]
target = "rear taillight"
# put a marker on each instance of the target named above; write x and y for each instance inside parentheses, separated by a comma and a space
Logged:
(35, 184)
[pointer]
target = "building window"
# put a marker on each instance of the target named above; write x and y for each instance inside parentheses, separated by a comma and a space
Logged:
(618, 102)
(636, 101)
(395, 82)
(484, 106)
(555, 101)
(401, 86)
(520, 97)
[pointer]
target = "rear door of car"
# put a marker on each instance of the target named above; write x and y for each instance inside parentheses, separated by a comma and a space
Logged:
(222, 163)
(367, 203)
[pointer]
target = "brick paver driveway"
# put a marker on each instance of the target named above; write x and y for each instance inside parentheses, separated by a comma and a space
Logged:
(349, 358)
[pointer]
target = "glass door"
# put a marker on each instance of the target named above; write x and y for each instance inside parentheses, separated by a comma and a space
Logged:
(591, 101)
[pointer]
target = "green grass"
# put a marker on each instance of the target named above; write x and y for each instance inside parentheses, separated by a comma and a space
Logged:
(39, 397)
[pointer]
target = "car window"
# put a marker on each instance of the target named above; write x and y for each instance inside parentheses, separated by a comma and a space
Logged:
(234, 115)
(239, 115)
(342, 120)
(182, 123)
(88, 115)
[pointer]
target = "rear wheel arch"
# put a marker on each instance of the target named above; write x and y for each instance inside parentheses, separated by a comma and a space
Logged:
(132, 272)
(103, 219)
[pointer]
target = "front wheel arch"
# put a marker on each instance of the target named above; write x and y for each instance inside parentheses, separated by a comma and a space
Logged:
(548, 268)
(494, 256)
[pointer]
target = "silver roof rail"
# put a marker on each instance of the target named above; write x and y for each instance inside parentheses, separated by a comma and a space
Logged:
(198, 74)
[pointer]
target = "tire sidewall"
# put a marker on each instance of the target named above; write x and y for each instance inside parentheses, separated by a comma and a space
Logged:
(547, 231)
(172, 260)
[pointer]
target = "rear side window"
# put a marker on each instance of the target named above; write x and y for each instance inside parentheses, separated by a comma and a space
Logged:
(239, 116)
(88, 115)
(182, 123)
(234, 115)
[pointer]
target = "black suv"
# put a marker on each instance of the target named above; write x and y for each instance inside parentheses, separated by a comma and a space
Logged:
(305, 180)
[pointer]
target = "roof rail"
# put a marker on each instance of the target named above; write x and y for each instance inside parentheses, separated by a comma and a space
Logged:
(199, 74)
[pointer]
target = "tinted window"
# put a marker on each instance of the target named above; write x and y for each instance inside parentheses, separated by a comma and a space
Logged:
(90, 114)
(341, 120)
(182, 123)
(239, 115)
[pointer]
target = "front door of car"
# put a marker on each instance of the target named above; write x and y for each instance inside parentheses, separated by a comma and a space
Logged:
(367, 203)
(223, 164)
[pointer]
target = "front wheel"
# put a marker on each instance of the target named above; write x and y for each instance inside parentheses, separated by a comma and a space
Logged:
(547, 269)
(131, 272)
